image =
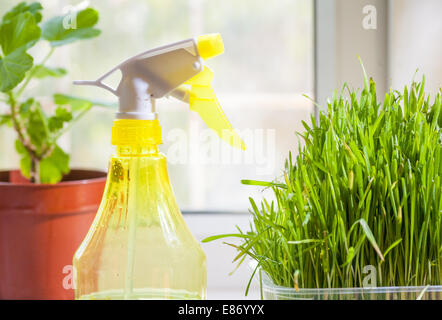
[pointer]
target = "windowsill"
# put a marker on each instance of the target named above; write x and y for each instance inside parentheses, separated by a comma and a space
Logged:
(212, 212)
(221, 285)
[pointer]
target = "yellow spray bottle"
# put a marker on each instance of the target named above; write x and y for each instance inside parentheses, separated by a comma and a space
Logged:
(139, 246)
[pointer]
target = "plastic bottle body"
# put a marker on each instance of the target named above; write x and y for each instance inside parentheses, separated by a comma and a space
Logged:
(139, 246)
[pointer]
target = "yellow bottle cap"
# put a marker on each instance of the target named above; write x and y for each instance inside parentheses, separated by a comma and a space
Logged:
(210, 45)
(129, 132)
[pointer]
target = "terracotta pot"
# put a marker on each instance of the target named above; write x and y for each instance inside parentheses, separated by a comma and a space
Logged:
(41, 226)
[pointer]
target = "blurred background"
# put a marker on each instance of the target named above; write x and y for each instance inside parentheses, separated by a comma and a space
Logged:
(275, 52)
(267, 65)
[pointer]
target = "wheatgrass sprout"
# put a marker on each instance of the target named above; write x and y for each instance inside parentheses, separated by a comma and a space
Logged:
(365, 189)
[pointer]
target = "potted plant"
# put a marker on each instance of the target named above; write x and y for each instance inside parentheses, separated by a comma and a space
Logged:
(358, 212)
(46, 210)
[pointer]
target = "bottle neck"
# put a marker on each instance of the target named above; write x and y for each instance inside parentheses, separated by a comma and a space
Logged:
(137, 151)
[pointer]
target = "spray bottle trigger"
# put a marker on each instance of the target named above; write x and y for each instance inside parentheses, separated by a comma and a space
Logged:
(203, 101)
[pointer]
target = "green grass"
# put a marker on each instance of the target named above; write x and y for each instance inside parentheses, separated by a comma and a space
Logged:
(364, 190)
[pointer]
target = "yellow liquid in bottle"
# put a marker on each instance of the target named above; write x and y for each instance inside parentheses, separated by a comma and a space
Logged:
(139, 246)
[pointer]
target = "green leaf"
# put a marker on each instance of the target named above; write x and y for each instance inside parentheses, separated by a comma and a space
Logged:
(41, 71)
(366, 84)
(350, 255)
(13, 68)
(5, 119)
(220, 236)
(63, 114)
(33, 8)
(25, 159)
(37, 126)
(26, 106)
(394, 244)
(369, 236)
(25, 166)
(263, 183)
(19, 32)
(54, 167)
(79, 104)
(21, 150)
(305, 241)
(71, 27)
(57, 121)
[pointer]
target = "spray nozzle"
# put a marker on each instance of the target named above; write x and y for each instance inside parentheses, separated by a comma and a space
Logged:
(210, 45)
(172, 70)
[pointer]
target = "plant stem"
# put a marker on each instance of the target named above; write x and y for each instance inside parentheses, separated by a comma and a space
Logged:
(25, 141)
(21, 131)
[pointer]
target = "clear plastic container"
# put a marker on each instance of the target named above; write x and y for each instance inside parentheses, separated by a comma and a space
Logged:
(270, 291)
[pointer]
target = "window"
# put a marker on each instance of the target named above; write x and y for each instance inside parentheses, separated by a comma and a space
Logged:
(259, 82)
